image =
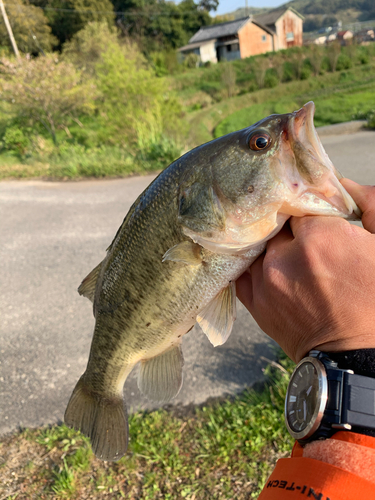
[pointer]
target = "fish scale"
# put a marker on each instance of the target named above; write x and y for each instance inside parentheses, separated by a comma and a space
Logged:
(177, 255)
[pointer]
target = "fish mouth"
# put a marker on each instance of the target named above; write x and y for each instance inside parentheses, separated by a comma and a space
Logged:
(320, 192)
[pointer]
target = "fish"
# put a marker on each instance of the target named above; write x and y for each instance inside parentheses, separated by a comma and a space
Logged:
(176, 257)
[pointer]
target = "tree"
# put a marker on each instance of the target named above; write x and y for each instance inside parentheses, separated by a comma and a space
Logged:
(208, 5)
(45, 91)
(161, 23)
(30, 28)
(135, 104)
(75, 14)
(87, 46)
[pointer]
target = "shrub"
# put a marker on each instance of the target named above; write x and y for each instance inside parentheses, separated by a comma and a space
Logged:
(271, 80)
(343, 62)
(191, 61)
(45, 91)
(14, 139)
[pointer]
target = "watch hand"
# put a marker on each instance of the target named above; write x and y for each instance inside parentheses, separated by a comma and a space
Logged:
(309, 390)
(304, 410)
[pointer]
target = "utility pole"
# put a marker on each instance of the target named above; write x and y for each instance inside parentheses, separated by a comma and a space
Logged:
(9, 29)
(246, 8)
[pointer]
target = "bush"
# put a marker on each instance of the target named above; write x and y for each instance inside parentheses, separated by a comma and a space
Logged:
(371, 119)
(45, 92)
(14, 139)
(271, 80)
(343, 62)
(191, 61)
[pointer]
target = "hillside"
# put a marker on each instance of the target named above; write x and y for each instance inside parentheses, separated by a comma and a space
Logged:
(320, 13)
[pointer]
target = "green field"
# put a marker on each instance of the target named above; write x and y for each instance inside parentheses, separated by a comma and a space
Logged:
(222, 451)
(344, 103)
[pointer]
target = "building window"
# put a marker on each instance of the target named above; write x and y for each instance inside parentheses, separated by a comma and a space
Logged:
(290, 36)
(264, 38)
(233, 48)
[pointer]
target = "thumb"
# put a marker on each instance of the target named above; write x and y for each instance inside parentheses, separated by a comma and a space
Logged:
(364, 196)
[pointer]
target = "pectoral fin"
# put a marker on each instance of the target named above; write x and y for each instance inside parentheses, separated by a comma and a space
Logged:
(187, 252)
(88, 285)
(160, 378)
(217, 318)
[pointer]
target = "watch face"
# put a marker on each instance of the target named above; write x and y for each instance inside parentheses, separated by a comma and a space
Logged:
(306, 398)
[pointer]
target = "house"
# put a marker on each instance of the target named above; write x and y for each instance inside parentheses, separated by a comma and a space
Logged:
(365, 35)
(287, 25)
(245, 37)
(344, 36)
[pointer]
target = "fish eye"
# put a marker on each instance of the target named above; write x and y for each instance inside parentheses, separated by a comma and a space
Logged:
(259, 141)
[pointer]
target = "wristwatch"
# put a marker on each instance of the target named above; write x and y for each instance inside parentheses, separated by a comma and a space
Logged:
(322, 399)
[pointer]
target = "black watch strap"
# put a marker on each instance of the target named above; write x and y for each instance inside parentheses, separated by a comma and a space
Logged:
(359, 399)
(361, 361)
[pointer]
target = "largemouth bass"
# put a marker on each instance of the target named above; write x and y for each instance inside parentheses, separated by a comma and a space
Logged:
(176, 257)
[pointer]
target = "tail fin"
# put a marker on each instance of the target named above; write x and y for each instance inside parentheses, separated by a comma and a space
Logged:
(102, 419)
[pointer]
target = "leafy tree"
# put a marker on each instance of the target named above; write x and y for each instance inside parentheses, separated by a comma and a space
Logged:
(30, 28)
(135, 105)
(87, 46)
(45, 91)
(209, 5)
(161, 23)
(70, 17)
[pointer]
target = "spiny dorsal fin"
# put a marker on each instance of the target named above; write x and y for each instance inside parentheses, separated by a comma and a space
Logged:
(88, 285)
(160, 378)
(217, 318)
(187, 252)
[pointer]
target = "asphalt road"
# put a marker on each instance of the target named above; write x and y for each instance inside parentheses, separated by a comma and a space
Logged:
(52, 235)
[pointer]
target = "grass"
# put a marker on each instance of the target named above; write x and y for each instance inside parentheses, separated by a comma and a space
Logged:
(222, 451)
(343, 103)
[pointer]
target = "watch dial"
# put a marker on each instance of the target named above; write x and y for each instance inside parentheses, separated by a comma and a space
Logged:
(302, 397)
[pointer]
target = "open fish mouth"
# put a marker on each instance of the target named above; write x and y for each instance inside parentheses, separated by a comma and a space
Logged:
(320, 191)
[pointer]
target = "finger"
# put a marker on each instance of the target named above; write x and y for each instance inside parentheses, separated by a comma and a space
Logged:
(364, 196)
(302, 227)
(251, 280)
(244, 290)
(285, 236)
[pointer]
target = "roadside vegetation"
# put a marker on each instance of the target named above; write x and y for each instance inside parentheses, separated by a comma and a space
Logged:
(224, 450)
(74, 115)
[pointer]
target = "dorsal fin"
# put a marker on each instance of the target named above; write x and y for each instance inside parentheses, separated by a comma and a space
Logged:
(88, 285)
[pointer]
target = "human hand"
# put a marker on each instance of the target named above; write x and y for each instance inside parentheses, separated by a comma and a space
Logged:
(315, 285)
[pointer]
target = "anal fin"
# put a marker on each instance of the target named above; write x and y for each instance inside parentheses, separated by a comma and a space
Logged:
(88, 285)
(160, 378)
(187, 252)
(217, 318)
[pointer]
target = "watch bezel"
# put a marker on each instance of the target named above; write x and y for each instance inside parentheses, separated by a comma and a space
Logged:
(318, 414)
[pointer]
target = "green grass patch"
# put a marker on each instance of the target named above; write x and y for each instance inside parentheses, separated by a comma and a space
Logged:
(224, 450)
(343, 101)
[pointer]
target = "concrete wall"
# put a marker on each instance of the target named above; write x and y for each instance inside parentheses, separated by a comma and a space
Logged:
(254, 40)
(289, 31)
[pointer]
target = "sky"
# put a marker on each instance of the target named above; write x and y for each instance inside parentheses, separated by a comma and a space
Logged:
(226, 6)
